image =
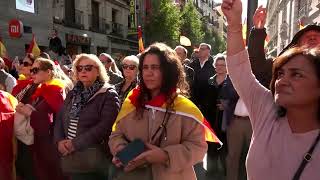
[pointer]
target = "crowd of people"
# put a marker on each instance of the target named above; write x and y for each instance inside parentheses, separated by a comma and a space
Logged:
(71, 122)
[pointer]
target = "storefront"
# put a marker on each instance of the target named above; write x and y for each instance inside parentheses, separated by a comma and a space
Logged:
(76, 44)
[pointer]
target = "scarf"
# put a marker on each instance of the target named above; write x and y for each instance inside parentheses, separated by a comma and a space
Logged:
(81, 96)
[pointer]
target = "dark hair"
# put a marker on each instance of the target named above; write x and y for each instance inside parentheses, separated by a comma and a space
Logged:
(312, 55)
(173, 75)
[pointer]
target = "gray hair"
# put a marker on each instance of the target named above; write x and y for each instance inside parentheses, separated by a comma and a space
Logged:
(185, 50)
(205, 44)
(133, 59)
(219, 57)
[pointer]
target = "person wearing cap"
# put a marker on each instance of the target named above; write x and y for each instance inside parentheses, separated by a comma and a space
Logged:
(285, 143)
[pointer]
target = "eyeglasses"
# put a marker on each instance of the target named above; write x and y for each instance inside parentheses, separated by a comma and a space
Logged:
(25, 63)
(87, 68)
(34, 70)
(153, 67)
(126, 66)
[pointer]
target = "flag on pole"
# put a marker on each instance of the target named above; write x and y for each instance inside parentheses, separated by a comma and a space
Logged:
(244, 32)
(34, 48)
(140, 41)
(300, 23)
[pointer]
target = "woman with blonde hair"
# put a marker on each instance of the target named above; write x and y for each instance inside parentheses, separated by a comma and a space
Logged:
(41, 106)
(85, 121)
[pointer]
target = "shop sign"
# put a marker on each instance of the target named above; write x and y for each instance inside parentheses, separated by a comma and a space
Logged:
(15, 28)
(76, 39)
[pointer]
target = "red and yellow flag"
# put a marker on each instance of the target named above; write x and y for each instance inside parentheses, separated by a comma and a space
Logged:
(8, 104)
(52, 92)
(34, 48)
(140, 41)
(182, 106)
(301, 25)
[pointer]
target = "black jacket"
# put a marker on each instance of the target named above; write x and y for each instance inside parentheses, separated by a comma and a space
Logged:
(261, 67)
(200, 85)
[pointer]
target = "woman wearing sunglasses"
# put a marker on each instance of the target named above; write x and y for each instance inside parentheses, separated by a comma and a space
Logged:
(41, 106)
(156, 112)
(130, 71)
(85, 121)
(112, 68)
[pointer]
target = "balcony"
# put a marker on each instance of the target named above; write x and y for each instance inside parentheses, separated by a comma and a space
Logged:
(98, 25)
(117, 29)
(76, 21)
(302, 12)
(284, 30)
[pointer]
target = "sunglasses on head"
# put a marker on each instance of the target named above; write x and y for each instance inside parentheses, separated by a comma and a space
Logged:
(34, 70)
(87, 68)
(126, 66)
(25, 64)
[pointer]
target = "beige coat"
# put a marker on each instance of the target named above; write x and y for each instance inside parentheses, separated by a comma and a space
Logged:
(185, 142)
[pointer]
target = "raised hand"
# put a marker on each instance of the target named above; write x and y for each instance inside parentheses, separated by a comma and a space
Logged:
(259, 17)
(232, 9)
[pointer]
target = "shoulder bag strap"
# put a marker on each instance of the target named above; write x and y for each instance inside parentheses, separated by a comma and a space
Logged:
(307, 157)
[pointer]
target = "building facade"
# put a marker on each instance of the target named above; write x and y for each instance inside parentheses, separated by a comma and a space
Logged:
(38, 22)
(285, 18)
(96, 26)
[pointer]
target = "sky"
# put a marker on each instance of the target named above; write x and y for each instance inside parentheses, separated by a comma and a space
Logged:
(244, 3)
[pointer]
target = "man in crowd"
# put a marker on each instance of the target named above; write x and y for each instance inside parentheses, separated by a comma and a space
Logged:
(7, 81)
(182, 53)
(203, 69)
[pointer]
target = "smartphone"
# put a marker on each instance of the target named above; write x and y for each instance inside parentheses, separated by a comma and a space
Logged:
(131, 151)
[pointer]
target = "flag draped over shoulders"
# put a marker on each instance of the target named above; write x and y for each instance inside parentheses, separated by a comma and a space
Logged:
(181, 106)
(52, 92)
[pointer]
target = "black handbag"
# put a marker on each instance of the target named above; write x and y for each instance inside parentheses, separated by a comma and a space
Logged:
(91, 159)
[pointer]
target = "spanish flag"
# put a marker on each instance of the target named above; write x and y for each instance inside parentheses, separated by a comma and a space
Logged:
(140, 41)
(300, 23)
(7, 108)
(182, 106)
(34, 48)
(52, 92)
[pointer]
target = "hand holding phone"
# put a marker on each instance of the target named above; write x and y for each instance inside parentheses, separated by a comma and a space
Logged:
(132, 150)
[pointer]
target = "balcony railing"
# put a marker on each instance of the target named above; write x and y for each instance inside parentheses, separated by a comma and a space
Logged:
(117, 29)
(77, 22)
(98, 25)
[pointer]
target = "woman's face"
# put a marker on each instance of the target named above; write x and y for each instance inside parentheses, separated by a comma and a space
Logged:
(39, 75)
(130, 69)
(106, 62)
(297, 84)
(25, 66)
(151, 73)
(87, 72)
(220, 66)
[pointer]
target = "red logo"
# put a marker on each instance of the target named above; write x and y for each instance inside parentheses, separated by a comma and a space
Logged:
(15, 28)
